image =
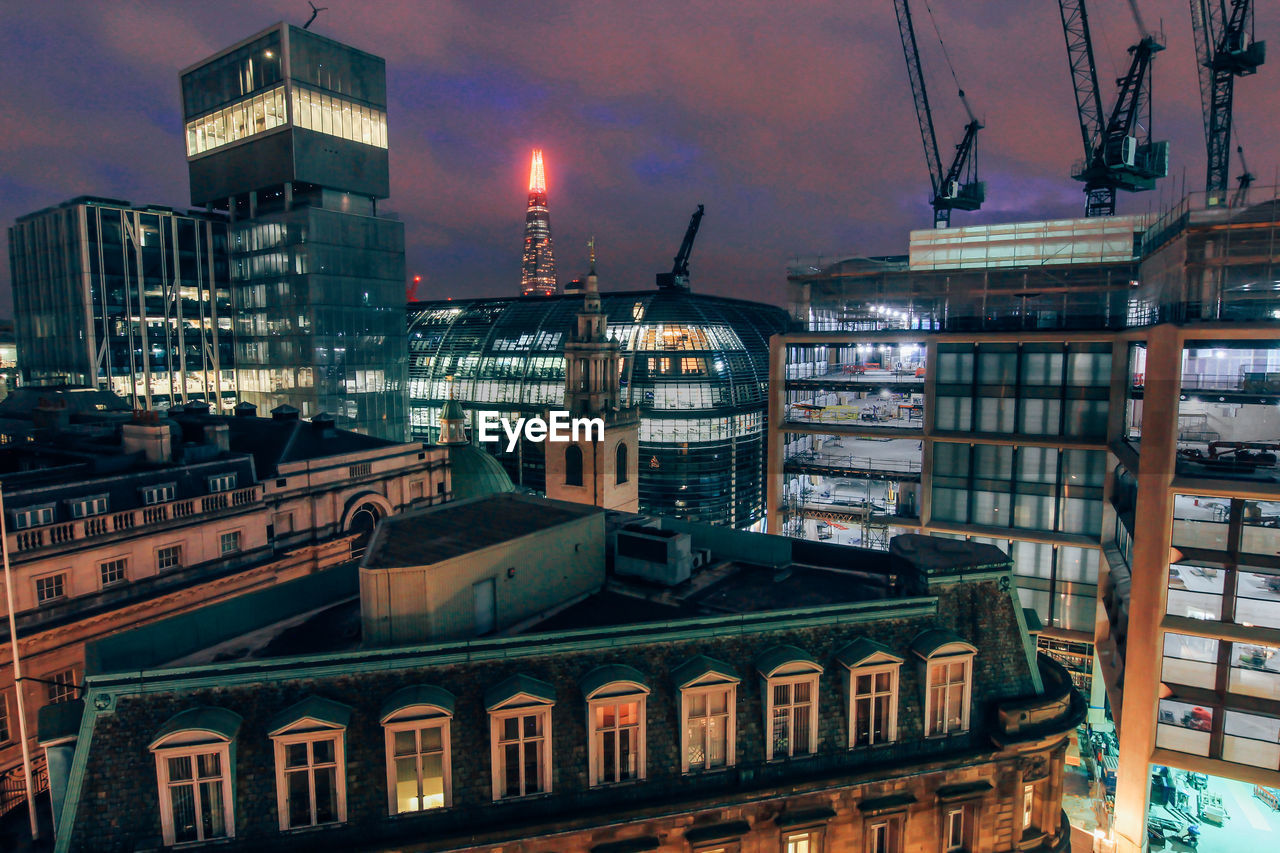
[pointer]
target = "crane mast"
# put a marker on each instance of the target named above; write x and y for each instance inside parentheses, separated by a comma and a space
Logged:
(957, 187)
(1225, 50)
(1118, 153)
(679, 275)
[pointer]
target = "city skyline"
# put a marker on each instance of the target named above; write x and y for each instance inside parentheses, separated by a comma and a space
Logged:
(786, 128)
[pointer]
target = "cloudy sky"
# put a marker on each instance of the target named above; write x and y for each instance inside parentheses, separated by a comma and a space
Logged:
(791, 121)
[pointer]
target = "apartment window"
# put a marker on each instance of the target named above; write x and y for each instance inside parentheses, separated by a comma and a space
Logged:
(621, 463)
(1028, 805)
(113, 571)
(193, 776)
(947, 669)
(85, 507)
(230, 542)
(616, 697)
(32, 517)
(708, 722)
(168, 557)
(311, 780)
(874, 706)
(791, 702)
(162, 493)
(956, 821)
(884, 835)
(222, 483)
(520, 737)
(61, 686)
(193, 772)
(803, 841)
(871, 683)
(5, 734)
(51, 588)
(416, 722)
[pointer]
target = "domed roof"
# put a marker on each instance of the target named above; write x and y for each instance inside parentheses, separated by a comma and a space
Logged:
(475, 473)
(452, 411)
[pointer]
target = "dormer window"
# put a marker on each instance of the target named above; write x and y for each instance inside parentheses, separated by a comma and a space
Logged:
(416, 723)
(708, 714)
(194, 774)
(222, 483)
(34, 516)
(790, 689)
(946, 664)
(520, 736)
(310, 747)
(871, 686)
(85, 507)
(159, 493)
(615, 697)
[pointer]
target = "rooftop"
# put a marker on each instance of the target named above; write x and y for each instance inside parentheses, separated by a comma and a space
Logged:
(459, 527)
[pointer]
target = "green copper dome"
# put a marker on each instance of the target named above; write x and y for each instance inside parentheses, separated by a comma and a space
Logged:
(475, 473)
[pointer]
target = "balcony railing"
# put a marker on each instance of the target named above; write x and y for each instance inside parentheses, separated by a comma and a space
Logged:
(52, 535)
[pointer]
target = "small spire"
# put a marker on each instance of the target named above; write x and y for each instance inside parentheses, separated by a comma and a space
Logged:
(591, 251)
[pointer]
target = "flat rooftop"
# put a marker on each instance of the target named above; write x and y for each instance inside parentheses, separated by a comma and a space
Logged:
(457, 528)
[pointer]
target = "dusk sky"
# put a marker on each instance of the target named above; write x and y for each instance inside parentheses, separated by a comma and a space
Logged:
(792, 122)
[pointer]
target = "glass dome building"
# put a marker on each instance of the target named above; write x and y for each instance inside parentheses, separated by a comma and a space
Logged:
(697, 366)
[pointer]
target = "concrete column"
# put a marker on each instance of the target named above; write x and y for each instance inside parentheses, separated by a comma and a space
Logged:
(1137, 719)
(774, 438)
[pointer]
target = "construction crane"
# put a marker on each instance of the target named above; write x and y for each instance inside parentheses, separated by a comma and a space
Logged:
(1118, 152)
(1225, 50)
(1243, 181)
(957, 188)
(679, 275)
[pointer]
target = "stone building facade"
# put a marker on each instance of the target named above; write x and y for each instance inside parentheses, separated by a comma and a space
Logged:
(116, 520)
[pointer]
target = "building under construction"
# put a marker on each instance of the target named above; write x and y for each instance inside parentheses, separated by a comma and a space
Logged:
(1042, 386)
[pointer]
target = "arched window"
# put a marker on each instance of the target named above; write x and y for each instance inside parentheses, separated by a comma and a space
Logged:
(621, 460)
(573, 465)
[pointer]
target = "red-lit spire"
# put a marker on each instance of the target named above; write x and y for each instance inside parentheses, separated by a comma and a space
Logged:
(537, 176)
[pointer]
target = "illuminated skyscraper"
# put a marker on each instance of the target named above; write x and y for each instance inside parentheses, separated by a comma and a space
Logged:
(538, 276)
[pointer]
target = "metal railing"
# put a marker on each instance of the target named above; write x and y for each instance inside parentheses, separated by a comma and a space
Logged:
(51, 535)
(13, 789)
(813, 459)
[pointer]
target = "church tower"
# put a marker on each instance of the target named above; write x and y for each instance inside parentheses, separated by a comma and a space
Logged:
(604, 473)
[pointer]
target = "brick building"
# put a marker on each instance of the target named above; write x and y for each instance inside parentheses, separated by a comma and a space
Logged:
(787, 695)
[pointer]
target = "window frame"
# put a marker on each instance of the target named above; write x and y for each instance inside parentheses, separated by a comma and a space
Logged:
(520, 705)
(965, 812)
(221, 483)
(87, 507)
(413, 718)
(122, 561)
(310, 731)
(28, 517)
(6, 725)
(816, 836)
(238, 533)
(158, 493)
(161, 549)
(705, 685)
(617, 693)
(192, 744)
(945, 655)
(791, 674)
(67, 689)
(51, 577)
(895, 842)
(873, 669)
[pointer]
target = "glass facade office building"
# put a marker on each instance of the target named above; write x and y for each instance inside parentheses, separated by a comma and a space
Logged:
(287, 132)
(697, 367)
(133, 299)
